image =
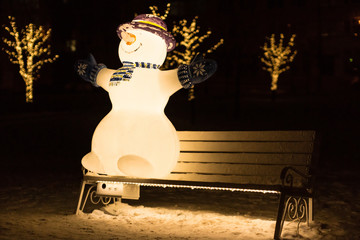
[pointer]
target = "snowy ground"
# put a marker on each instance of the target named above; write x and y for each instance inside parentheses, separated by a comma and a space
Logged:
(43, 208)
(40, 204)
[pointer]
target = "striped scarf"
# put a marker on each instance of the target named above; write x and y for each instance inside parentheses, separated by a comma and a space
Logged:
(125, 72)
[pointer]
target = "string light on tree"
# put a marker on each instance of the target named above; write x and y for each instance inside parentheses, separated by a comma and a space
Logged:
(29, 50)
(190, 41)
(154, 10)
(277, 57)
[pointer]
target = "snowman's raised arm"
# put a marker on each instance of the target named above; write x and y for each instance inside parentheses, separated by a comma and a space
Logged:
(103, 78)
(170, 82)
(196, 72)
(187, 75)
(92, 72)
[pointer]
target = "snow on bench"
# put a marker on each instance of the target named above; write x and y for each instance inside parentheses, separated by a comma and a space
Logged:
(275, 162)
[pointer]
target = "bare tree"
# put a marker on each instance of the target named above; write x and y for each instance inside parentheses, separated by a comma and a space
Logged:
(29, 50)
(187, 48)
(277, 57)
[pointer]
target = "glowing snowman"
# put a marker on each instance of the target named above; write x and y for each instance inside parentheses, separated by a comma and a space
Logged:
(136, 138)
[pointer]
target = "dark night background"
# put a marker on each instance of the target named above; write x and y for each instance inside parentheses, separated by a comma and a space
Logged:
(320, 91)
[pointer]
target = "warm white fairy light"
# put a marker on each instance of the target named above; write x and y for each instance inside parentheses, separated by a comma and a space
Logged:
(277, 57)
(154, 10)
(29, 51)
(194, 187)
(190, 42)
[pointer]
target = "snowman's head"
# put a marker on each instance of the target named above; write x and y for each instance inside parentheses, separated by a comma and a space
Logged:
(138, 45)
(145, 39)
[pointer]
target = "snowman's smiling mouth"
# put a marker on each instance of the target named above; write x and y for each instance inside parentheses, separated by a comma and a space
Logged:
(132, 51)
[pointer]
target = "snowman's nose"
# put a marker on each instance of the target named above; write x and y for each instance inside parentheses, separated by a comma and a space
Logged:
(129, 38)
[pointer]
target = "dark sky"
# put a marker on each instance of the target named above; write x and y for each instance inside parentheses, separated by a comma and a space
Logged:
(325, 38)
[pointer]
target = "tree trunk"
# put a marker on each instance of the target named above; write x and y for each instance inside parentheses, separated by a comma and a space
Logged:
(29, 90)
(274, 80)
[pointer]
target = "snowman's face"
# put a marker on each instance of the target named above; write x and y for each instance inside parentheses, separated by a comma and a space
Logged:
(142, 46)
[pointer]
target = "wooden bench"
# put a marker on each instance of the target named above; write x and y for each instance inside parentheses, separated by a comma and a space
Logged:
(274, 162)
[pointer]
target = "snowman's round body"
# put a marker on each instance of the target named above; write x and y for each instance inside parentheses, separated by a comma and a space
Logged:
(136, 138)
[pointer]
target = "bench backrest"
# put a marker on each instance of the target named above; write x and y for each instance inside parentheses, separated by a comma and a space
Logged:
(242, 157)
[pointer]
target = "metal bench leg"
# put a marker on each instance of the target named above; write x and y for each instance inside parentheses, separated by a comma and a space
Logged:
(311, 211)
(296, 209)
(80, 197)
(280, 217)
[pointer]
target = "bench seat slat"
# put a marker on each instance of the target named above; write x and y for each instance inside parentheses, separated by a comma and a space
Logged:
(208, 179)
(254, 158)
(247, 135)
(255, 147)
(234, 179)
(233, 169)
(176, 180)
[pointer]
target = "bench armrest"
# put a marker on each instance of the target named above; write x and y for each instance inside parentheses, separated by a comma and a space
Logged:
(287, 178)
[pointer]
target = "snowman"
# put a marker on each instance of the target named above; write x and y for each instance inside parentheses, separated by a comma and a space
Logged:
(136, 138)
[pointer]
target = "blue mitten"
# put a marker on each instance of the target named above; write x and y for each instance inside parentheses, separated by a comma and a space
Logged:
(198, 71)
(88, 69)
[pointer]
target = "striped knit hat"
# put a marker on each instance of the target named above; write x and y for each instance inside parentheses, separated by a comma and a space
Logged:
(150, 23)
